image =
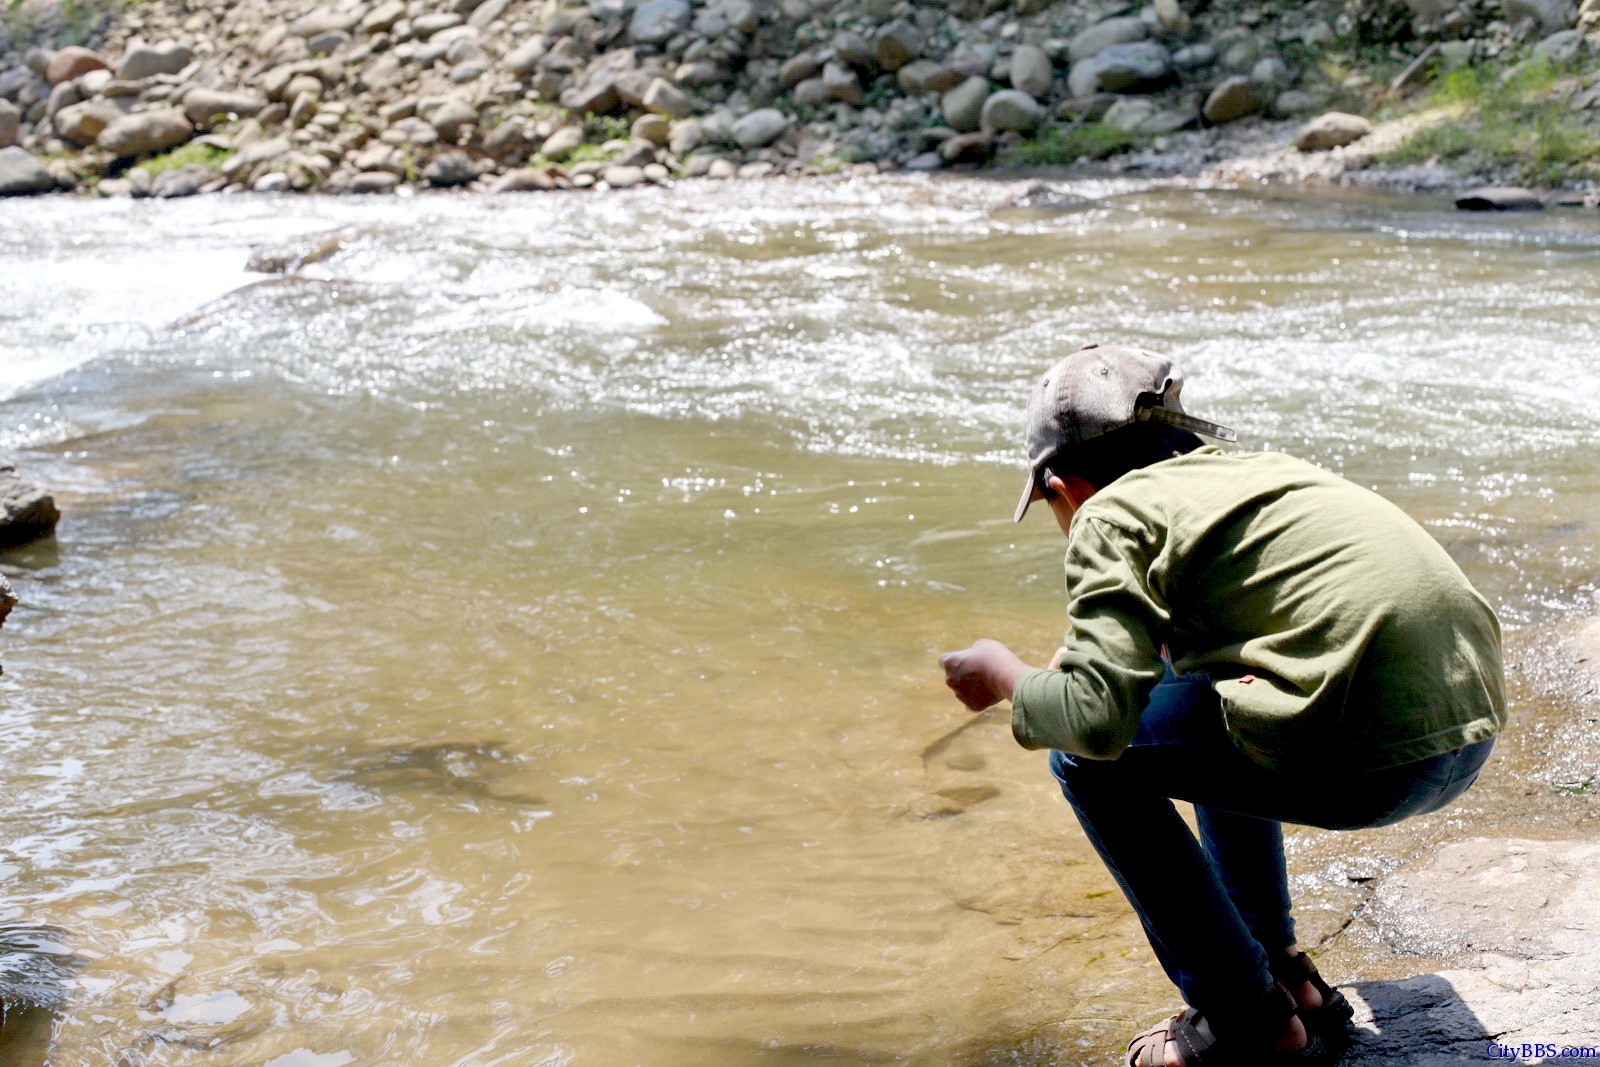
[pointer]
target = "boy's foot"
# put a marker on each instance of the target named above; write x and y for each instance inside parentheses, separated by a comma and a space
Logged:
(1322, 1008)
(1261, 1034)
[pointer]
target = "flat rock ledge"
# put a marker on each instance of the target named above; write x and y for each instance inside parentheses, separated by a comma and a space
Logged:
(1520, 920)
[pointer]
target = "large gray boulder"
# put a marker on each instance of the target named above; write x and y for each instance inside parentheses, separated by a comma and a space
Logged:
(760, 128)
(450, 169)
(1031, 70)
(1141, 67)
(658, 21)
(27, 512)
(1233, 98)
(146, 133)
(963, 105)
(22, 175)
(1011, 109)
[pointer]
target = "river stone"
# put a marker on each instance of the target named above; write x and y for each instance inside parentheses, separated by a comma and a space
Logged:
(8, 599)
(27, 512)
(185, 181)
(451, 168)
(21, 175)
(383, 17)
(760, 128)
(524, 180)
(925, 76)
(1173, 18)
(1141, 67)
(144, 61)
(435, 22)
(10, 123)
(967, 148)
(798, 68)
(562, 143)
(1269, 71)
(1194, 56)
(37, 60)
(896, 44)
(1130, 113)
(622, 177)
(374, 181)
(1031, 71)
(450, 117)
(963, 105)
(1010, 109)
(664, 98)
(1550, 15)
(327, 43)
(1333, 130)
(1500, 198)
(811, 93)
(1233, 98)
(854, 50)
(72, 62)
(204, 107)
(658, 21)
(272, 182)
(652, 128)
(685, 137)
(146, 133)
(1096, 39)
(841, 82)
(82, 123)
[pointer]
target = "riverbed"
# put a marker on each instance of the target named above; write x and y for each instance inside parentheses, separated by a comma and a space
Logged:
(510, 640)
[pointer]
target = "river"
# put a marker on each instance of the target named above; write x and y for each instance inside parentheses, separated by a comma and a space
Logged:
(511, 639)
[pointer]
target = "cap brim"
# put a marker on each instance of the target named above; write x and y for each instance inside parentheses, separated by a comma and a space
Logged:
(1030, 493)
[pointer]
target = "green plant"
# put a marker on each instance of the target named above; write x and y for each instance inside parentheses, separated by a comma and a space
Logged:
(588, 152)
(1060, 145)
(203, 155)
(1512, 119)
(607, 127)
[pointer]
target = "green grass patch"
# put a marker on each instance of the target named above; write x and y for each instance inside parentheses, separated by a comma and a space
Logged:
(1060, 145)
(1512, 120)
(588, 152)
(203, 155)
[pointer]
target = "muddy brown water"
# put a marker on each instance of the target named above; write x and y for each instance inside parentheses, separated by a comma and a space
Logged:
(510, 641)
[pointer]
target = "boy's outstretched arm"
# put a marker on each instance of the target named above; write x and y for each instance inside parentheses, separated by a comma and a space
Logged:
(984, 674)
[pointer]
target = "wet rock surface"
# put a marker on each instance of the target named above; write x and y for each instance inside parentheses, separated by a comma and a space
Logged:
(1517, 920)
(27, 512)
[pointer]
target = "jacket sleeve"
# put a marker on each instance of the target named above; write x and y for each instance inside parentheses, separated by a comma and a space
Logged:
(1091, 705)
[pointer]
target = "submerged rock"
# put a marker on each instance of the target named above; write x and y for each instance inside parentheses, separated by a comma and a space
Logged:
(27, 512)
(281, 257)
(1500, 198)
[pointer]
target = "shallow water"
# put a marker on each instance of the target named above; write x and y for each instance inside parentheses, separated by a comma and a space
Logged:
(510, 641)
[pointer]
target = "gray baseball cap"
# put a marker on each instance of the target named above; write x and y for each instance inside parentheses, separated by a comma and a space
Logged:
(1097, 389)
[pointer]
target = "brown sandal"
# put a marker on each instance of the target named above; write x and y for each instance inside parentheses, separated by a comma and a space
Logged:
(1292, 972)
(1247, 1041)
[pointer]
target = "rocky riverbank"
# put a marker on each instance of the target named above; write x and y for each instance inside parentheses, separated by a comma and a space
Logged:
(173, 97)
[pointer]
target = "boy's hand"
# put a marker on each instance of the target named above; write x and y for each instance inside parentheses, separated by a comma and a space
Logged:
(982, 675)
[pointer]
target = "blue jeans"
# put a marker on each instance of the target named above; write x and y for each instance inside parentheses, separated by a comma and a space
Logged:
(1214, 908)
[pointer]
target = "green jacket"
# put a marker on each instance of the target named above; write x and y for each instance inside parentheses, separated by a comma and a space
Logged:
(1337, 633)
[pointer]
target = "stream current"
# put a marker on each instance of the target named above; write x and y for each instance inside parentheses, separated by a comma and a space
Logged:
(510, 640)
